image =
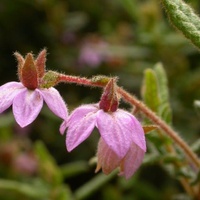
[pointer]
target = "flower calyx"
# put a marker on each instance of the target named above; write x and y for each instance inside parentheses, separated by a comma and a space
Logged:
(50, 79)
(31, 70)
(101, 79)
(109, 100)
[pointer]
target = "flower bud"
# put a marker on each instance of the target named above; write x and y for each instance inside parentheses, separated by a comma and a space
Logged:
(29, 74)
(109, 100)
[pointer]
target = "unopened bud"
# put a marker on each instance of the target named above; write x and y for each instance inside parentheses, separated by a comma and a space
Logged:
(29, 74)
(109, 100)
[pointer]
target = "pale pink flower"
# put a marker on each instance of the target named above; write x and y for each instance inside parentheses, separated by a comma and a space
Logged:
(122, 140)
(27, 103)
(27, 96)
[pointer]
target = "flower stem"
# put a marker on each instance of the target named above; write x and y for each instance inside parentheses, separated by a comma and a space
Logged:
(140, 105)
(79, 80)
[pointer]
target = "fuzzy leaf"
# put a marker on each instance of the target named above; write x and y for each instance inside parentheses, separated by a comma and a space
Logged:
(164, 110)
(184, 19)
(150, 90)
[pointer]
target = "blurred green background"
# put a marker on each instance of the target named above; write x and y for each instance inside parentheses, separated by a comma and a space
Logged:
(110, 37)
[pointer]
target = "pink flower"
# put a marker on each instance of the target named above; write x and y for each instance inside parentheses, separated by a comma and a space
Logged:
(27, 96)
(28, 103)
(122, 140)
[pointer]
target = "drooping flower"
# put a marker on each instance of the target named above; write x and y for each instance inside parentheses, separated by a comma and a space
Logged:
(122, 140)
(27, 96)
(122, 143)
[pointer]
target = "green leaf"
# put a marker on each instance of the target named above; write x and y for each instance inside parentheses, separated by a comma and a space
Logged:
(162, 82)
(150, 90)
(35, 191)
(164, 110)
(155, 92)
(184, 19)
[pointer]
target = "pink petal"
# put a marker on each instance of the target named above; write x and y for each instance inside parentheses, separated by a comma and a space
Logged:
(132, 161)
(81, 112)
(55, 102)
(115, 129)
(63, 127)
(107, 158)
(80, 125)
(26, 106)
(137, 133)
(7, 93)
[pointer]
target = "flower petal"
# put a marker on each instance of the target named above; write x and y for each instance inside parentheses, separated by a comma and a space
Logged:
(115, 129)
(26, 106)
(137, 133)
(107, 158)
(132, 161)
(81, 112)
(7, 93)
(80, 125)
(63, 127)
(55, 102)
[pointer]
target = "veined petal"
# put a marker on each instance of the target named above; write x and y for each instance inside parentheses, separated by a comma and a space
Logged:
(107, 158)
(132, 161)
(8, 92)
(77, 115)
(137, 133)
(80, 125)
(115, 129)
(81, 112)
(26, 106)
(55, 102)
